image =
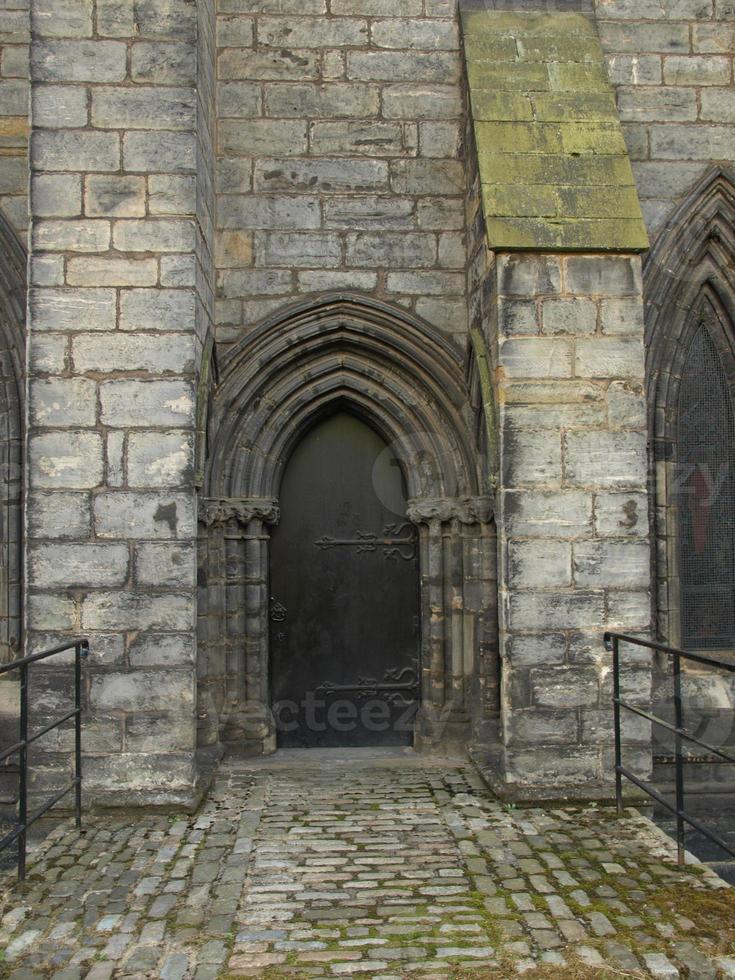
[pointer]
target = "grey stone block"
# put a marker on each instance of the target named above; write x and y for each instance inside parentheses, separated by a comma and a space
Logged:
(47, 270)
(301, 249)
(531, 458)
(536, 727)
(542, 611)
(424, 35)
(79, 61)
(99, 270)
(115, 18)
(153, 516)
(171, 194)
(322, 32)
(600, 275)
(238, 99)
(65, 460)
(414, 250)
(113, 196)
(321, 101)
(56, 195)
(162, 649)
(59, 106)
(143, 108)
(171, 19)
(160, 355)
(51, 612)
(234, 32)
(544, 649)
(92, 151)
(63, 402)
(268, 212)
(14, 97)
(160, 459)
(73, 309)
(359, 212)
(62, 18)
(319, 175)
(531, 357)
(441, 67)
(159, 152)
(157, 309)
(426, 283)
(539, 564)
(603, 564)
(621, 514)
(82, 235)
(268, 65)
(153, 235)
(160, 63)
(263, 137)
(162, 564)
(606, 459)
(67, 564)
(443, 177)
(529, 275)
(561, 513)
(140, 690)
(59, 514)
(254, 282)
(138, 404)
(609, 357)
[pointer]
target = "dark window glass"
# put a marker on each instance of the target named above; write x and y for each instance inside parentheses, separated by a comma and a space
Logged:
(706, 498)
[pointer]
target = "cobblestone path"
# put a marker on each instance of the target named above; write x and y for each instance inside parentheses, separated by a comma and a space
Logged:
(379, 865)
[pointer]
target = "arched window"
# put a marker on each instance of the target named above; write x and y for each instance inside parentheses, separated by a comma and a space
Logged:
(705, 491)
(689, 287)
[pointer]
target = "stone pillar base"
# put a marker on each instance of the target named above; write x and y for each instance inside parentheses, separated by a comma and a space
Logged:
(249, 729)
(441, 731)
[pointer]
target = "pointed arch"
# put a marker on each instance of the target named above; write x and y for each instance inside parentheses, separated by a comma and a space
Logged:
(395, 370)
(12, 360)
(689, 286)
(402, 377)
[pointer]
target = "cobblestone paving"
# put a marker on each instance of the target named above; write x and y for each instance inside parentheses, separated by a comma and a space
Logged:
(382, 865)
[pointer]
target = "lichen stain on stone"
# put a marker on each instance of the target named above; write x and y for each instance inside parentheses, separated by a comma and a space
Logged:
(166, 514)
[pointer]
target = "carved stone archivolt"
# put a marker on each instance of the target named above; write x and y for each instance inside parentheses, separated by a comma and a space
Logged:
(219, 510)
(466, 510)
(409, 383)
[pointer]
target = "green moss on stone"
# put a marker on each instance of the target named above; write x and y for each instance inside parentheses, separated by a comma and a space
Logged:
(553, 164)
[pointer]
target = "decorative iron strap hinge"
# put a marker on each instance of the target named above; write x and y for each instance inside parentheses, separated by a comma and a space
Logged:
(399, 545)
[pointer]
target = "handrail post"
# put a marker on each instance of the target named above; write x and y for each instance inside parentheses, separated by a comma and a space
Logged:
(679, 723)
(616, 710)
(80, 650)
(23, 775)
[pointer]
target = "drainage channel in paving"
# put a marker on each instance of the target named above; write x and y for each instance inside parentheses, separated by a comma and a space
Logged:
(381, 864)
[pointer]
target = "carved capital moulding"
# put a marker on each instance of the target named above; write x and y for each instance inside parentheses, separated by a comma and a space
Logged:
(219, 510)
(466, 510)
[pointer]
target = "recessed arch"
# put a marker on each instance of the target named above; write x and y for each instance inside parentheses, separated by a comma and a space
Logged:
(408, 382)
(391, 367)
(12, 374)
(689, 285)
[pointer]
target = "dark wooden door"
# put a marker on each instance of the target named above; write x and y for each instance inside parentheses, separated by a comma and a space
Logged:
(344, 616)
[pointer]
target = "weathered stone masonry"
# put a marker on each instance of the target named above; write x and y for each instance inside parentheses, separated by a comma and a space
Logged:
(200, 175)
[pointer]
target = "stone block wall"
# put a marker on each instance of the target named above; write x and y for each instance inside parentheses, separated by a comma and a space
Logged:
(14, 96)
(340, 162)
(113, 351)
(572, 509)
(671, 62)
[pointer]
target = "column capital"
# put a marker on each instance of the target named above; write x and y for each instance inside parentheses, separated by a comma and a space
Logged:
(466, 510)
(219, 510)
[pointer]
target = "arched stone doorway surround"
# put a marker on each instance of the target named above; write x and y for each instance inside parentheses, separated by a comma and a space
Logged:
(410, 384)
(12, 359)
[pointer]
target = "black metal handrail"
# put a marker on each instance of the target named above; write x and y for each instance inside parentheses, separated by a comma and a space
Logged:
(24, 821)
(612, 643)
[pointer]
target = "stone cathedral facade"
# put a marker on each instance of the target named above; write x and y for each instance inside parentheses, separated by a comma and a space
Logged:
(498, 239)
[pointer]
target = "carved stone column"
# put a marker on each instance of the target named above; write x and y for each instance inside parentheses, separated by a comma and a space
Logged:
(449, 628)
(246, 720)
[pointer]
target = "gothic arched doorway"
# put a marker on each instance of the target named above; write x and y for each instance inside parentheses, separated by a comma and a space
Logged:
(344, 609)
(407, 385)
